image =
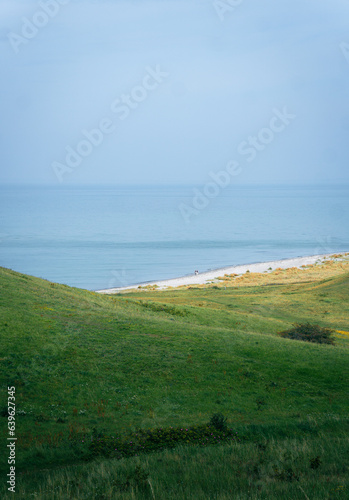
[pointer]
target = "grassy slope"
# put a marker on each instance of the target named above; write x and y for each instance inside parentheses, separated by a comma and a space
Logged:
(167, 358)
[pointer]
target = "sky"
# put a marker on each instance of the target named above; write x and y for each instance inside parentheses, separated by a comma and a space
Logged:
(174, 91)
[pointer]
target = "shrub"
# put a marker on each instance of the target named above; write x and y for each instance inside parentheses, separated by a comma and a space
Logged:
(150, 440)
(218, 421)
(309, 333)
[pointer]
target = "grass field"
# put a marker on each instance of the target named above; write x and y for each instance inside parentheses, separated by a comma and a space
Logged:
(85, 364)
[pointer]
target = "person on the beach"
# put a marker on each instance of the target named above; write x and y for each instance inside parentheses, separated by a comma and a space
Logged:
(196, 272)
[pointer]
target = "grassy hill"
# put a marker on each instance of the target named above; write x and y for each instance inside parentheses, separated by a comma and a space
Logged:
(87, 365)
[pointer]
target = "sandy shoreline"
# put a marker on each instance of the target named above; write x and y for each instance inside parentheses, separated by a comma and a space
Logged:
(209, 276)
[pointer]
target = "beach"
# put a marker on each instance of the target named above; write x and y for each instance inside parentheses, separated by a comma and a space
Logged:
(136, 235)
(210, 276)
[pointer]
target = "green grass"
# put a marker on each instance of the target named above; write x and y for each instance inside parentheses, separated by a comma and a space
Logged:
(268, 469)
(82, 361)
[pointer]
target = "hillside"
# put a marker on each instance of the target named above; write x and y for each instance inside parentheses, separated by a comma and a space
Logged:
(83, 363)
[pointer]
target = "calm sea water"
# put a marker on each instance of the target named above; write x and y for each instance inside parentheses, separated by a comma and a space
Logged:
(98, 238)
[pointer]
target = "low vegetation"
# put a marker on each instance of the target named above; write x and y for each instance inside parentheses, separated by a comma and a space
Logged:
(169, 370)
(145, 441)
(309, 333)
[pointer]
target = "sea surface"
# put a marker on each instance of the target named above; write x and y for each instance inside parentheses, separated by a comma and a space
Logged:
(104, 237)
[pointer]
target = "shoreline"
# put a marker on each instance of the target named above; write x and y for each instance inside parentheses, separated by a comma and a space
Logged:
(207, 276)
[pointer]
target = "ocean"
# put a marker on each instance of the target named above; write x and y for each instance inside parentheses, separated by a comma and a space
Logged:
(105, 237)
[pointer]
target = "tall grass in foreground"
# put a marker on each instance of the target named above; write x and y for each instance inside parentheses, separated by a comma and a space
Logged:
(301, 468)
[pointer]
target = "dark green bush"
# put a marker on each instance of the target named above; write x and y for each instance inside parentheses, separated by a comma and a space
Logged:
(309, 333)
(218, 421)
(149, 440)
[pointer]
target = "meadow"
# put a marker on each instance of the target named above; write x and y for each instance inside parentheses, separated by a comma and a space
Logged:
(90, 367)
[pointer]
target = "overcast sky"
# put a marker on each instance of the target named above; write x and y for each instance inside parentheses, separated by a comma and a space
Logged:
(176, 89)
